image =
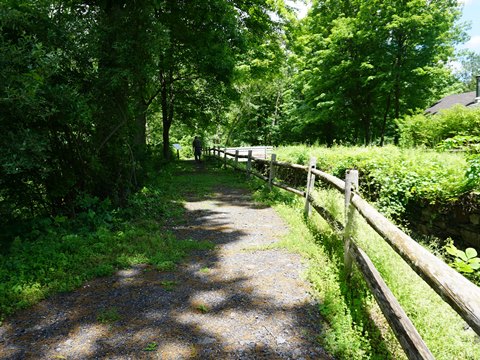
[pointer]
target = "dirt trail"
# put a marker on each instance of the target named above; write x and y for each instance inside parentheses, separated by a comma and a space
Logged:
(238, 301)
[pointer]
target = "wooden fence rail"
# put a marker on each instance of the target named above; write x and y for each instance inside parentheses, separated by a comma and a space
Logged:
(462, 295)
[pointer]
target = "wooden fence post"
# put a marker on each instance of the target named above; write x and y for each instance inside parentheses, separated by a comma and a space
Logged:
(272, 171)
(310, 185)
(351, 184)
(225, 157)
(249, 163)
(236, 159)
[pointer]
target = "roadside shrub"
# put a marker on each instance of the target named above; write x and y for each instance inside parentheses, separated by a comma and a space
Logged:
(392, 176)
(431, 130)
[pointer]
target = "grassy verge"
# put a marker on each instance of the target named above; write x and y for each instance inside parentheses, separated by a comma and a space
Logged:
(356, 328)
(62, 253)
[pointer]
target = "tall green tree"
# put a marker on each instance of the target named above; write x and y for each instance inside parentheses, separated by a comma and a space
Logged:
(45, 116)
(80, 79)
(261, 79)
(365, 63)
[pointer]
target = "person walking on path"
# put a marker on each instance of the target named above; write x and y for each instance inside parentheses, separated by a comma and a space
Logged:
(197, 148)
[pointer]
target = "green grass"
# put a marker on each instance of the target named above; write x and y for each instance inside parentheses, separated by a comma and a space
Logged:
(203, 308)
(169, 285)
(108, 316)
(152, 346)
(63, 254)
(355, 327)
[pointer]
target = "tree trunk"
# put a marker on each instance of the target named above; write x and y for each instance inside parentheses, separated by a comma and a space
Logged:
(384, 123)
(140, 139)
(167, 96)
(366, 128)
(166, 140)
(397, 68)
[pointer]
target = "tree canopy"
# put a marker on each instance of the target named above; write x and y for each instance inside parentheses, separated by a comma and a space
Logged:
(365, 63)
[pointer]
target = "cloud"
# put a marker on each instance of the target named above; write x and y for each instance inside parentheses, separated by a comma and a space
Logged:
(473, 43)
(456, 66)
(466, 2)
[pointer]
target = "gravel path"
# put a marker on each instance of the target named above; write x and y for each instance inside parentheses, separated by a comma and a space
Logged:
(238, 301)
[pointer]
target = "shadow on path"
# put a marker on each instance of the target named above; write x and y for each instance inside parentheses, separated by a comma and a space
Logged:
(238, 301)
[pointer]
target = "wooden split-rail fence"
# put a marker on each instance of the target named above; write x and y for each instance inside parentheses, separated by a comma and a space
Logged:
(462, 295)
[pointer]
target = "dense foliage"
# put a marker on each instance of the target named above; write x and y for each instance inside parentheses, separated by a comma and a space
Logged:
(350, 69)
(86, 86)
(455, 127)
(88, 90)
(393, 176)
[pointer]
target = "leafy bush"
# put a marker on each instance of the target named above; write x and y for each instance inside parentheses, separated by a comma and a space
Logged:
(431, 130)
(393, 176)
(472, 174)
(465, 262)
(470, 144)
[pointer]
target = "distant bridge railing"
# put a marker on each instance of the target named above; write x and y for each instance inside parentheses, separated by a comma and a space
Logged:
(259, 152)
(462, 295)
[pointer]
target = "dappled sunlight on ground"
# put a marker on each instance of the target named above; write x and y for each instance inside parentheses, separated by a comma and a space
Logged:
(241, 300)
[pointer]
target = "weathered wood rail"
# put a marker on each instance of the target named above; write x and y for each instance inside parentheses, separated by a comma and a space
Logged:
(462, 295)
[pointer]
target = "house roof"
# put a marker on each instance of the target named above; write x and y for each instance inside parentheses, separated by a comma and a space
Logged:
(466, 99)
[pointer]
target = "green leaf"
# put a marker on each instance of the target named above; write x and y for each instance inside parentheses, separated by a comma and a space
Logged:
(151, 346)
(452, 250)
(471, 253)
(463, 267)
(462, 255)
(475, 265)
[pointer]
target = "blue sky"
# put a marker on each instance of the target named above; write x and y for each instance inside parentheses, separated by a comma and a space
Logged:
(471, 13)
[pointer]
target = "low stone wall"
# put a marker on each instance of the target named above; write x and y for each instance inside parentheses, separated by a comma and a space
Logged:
(460, 221)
